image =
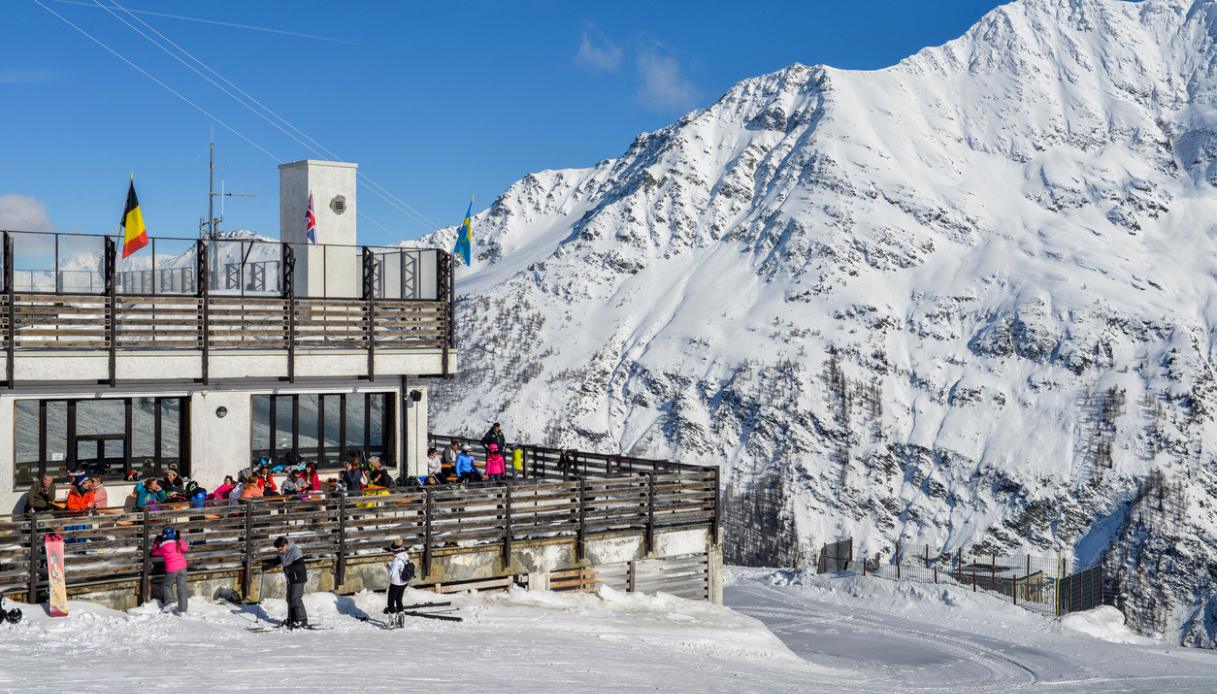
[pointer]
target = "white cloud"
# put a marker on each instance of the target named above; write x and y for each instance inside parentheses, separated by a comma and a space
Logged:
(27, 76)
(598, 51)
(664, 85)
(23, 213)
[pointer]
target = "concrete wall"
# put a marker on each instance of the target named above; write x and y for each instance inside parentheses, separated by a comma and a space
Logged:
(320, 271)
(91, 367)
(218, 446)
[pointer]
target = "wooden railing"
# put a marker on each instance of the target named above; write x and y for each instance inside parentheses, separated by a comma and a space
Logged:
(113, 547)
(82, 322)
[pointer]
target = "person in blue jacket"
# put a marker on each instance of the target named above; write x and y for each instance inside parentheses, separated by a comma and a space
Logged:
(149, 492)
(466, 469)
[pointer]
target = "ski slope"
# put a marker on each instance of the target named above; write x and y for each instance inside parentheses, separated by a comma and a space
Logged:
(903, 636)
(785, 634)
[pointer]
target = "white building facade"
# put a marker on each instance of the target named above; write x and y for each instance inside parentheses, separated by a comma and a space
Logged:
(209, 355)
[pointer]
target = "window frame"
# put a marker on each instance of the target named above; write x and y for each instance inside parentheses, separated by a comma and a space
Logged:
(72, 436)
(326, 457)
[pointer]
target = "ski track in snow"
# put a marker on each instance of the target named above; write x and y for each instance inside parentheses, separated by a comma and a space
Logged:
(927, 643)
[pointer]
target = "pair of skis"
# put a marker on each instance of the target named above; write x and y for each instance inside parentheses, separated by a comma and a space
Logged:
(397, 620)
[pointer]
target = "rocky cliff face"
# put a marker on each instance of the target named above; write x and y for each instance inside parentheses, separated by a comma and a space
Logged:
(968, 299)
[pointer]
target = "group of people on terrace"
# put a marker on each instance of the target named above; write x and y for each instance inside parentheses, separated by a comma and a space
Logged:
(455, 464)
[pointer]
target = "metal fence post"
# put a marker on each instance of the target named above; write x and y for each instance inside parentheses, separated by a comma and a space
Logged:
(11, 328)
(506, 527)
(247, 552)
(632, 577)
(35, 559)
(650, 536)
(111, 255)
(289, 297)
(340, 569)
(428, 507)
(145, 575)
(369, 297)
(203, 291)
(580, 538)
(1014, 589)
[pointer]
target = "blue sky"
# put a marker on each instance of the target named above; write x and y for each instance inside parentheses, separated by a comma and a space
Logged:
(436, 101)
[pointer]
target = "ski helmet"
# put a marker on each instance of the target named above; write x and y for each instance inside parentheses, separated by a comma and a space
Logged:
(168, 533)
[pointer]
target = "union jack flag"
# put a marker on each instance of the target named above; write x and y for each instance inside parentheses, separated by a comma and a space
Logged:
(311, 218)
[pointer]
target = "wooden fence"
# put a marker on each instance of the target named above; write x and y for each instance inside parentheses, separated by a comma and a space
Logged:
(94, 322)
(112, 548)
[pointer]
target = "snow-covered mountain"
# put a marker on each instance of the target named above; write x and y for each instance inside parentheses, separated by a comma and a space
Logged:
(968, 299)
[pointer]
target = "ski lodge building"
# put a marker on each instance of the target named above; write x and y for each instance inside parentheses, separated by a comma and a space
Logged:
(208, 354)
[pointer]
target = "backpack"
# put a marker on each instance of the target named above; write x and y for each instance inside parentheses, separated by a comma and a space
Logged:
(407, 571)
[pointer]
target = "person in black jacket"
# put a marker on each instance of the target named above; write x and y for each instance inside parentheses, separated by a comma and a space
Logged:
(291, 558)
(377, 475)
(495, 436)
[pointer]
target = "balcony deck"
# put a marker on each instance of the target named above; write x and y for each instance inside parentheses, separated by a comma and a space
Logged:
(221, 331)
(598, 515)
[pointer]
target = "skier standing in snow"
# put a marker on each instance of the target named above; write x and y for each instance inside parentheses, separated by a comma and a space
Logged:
(172, 548)
(400, 572)
(291, 558)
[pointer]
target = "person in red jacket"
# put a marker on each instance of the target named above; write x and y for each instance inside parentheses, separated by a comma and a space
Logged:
(172, 548)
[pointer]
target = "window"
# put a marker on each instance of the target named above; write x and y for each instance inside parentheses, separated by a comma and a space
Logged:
(109, 437)
(325, 428)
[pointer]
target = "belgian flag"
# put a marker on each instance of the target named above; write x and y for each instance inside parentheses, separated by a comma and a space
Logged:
(135, 234)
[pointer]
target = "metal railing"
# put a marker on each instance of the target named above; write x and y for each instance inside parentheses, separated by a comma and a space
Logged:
(73, 292)
(1041, 583)
(238, 265)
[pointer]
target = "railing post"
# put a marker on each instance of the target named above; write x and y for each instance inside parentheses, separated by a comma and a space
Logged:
(369, 297)
(203, 280)
(631, 585)
(289, 297)
(247, 557)
(506, 527)
(1014, 589)
(111, 257)
(145, 573)
(445, 293)
(428, 508)
(340, 569)
(35, 559)
(581, 537)
(650, 536)
(11, 310)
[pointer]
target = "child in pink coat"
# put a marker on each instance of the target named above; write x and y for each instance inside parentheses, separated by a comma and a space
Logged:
(496, 465)
(172, 548)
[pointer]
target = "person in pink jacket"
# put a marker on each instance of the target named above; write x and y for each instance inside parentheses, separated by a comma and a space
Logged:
(172, 548)
(496, 464)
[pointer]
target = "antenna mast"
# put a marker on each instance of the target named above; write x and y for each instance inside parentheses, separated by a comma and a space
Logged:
(211, 227)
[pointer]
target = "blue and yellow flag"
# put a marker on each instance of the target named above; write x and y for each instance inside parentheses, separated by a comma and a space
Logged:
(464, 238)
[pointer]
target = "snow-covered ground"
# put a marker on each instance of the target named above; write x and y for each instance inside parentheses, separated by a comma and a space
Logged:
(828, 634)
(903, 636)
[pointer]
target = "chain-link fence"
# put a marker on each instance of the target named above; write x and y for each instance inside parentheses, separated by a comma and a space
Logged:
(1038, 583)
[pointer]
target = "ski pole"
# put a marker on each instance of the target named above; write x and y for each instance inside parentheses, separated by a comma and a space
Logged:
(258, 612)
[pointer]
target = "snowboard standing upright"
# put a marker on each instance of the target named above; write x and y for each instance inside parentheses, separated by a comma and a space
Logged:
(54, 572)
